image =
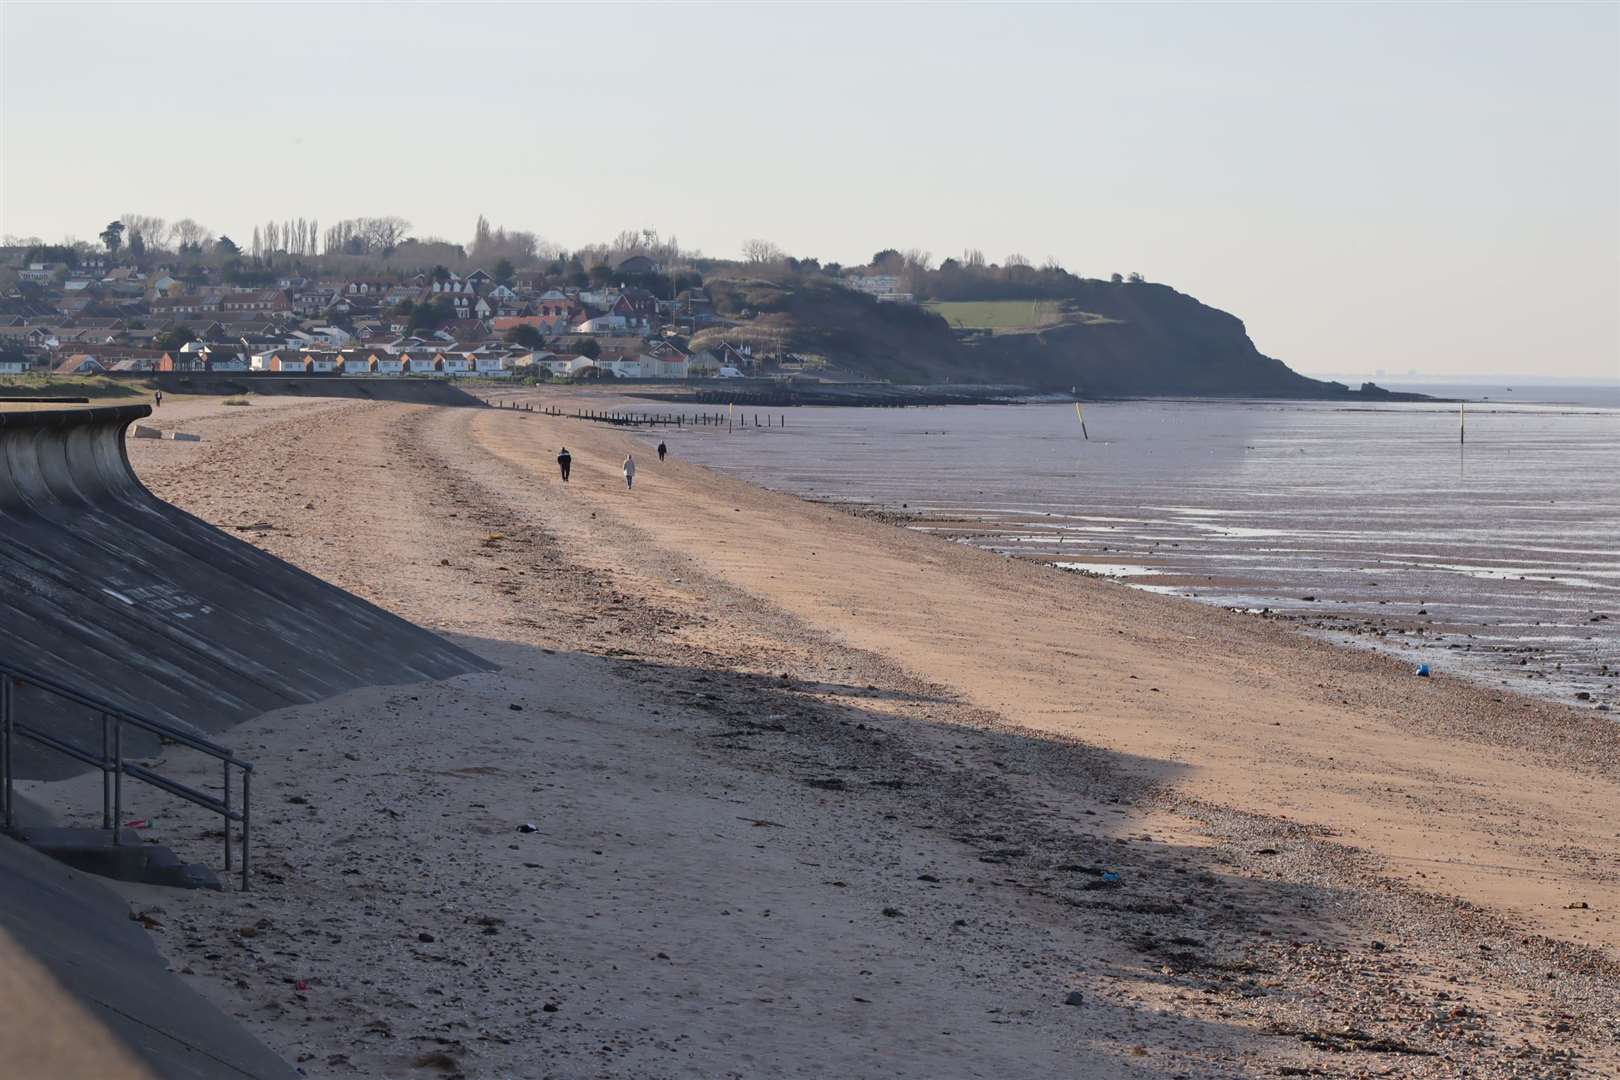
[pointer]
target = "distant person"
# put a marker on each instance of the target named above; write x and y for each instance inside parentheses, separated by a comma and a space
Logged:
(629, 471)
(564, 460)
(157, 399)
(662, 450)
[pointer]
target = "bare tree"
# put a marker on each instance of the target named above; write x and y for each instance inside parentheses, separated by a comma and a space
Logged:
(153, 232)
(1015, 259)
(383, 234)
(761, 252)
(973, 258)
(916, 259)
(255, 245)
(190, 234)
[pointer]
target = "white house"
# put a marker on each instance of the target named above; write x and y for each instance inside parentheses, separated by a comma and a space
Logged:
(13, 367)
(604, 324)
(491, 366)
(885, 287)
(454, 363)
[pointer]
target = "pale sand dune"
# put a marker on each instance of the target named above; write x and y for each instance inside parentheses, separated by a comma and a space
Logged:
(958, 741)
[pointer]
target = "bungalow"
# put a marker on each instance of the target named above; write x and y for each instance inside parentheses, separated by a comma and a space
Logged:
(664, 361)
(360, 363)
(603, 324)
(80, 364)
(491, 366)
(181, 361)
(452, 363)
(224, 360)
(290, 362)
(319, 362)
(388, 365)
(260, 300)
(13, 365)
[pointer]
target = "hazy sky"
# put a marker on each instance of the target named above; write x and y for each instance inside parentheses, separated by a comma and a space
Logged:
(1369, 186)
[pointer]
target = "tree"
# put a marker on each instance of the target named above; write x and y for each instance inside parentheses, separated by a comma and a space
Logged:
(504, 271)
(227, 246)
(191, 236)
(884, 256)
(1015, 259)
(441, 273)
(113, 236)
(174, 337)
(432, 314)
(1135, 278)
(383, 234)
(526, 336)
(153, 232)
(761, 252)
(589, 348)
(1117, 279)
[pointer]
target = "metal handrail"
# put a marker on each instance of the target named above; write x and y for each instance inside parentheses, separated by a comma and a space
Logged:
(111, 760)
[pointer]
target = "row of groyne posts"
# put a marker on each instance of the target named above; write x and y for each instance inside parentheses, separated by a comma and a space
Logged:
(638, 419)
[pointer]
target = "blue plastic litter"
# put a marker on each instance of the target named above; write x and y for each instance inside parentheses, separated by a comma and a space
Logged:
(1423, 670)
(1109, 875)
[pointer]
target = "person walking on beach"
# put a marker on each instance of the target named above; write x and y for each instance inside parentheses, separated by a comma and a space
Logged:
(564, 460)
(157, 399)
(629, 471)
(662, 450)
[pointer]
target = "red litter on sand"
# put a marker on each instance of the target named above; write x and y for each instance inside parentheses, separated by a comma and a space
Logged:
(138, 823)
(302, 985)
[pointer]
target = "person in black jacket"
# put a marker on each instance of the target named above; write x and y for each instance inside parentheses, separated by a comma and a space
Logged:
(662, 450)
(564, 460)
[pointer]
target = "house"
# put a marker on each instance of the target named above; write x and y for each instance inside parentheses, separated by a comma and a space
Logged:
(639, 264)
(728, 355)
(662, 360)
(884, 287)
(491, 366)
(558, 311)
(703, 365)
(290, 362)
(184, 304)
(603, 324)
(452, 363)
(81, 364)
(13, 366)
(638, 307)
(478, 279)
(319, 362)
(360, 363)
(226, 360)
(182, 361)
(257, 301)
(365, 288)
(466, 330)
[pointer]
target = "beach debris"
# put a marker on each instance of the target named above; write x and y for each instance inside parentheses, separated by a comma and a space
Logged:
(528, 827)
(1584, 695)
(425, 938)
(1108, 880)
(893, 913)
(136, 823)
(549, 1006)
(1579, 905)
(1422, 671)
(515, 707)
(1074, 997)
(149, 923)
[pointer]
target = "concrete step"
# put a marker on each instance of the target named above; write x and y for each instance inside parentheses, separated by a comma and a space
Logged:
(129, 859)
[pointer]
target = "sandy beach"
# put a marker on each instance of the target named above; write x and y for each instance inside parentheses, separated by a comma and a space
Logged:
(763, 788)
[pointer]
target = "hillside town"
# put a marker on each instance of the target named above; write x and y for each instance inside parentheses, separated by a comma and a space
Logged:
(131, 308)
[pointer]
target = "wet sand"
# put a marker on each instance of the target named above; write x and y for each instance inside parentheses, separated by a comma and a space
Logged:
(818, 796)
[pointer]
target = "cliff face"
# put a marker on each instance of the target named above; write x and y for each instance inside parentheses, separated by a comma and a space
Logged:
(1143, 339)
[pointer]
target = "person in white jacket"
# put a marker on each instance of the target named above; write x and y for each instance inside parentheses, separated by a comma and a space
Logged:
(629, 470)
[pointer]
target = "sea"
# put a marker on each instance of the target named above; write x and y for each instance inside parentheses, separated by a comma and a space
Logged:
(1480, 539)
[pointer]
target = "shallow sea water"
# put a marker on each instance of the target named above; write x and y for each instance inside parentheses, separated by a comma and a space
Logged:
(1371, 523)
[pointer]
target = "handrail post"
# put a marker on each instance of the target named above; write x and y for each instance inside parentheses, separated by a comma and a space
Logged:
(227, 798)
(106, 777)
(118, 778)
(247, 822)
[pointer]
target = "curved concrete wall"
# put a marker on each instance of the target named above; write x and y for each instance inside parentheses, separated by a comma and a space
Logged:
(109, 589)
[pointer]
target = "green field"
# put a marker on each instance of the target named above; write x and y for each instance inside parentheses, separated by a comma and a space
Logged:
(998, 314)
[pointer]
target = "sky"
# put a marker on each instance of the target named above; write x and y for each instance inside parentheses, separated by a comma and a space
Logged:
(1429, 187)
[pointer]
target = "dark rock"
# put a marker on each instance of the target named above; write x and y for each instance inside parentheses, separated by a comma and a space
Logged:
(1075, 997)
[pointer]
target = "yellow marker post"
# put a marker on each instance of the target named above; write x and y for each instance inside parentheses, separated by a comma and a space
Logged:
(1081, 413)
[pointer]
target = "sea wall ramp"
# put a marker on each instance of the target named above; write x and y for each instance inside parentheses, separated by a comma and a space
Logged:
(107, 587)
